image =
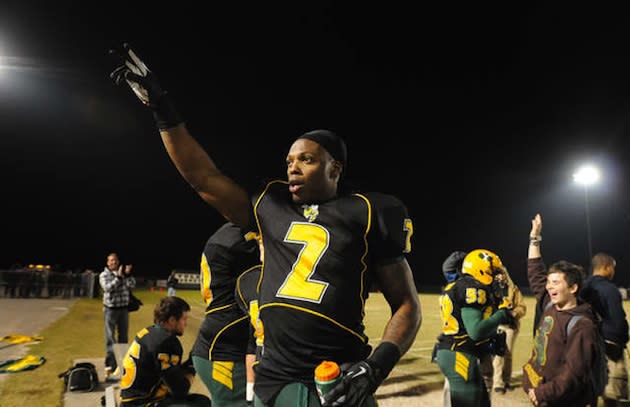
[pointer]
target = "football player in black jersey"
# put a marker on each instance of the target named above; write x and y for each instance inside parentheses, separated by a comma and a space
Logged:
(219, 351)
(323, 250)
(153, 372)
(246, 294)
(469, 321)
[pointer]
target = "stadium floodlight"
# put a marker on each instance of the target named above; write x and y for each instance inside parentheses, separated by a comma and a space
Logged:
(586, 176)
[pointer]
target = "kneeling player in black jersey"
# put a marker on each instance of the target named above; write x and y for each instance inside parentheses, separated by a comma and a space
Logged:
(153, 372)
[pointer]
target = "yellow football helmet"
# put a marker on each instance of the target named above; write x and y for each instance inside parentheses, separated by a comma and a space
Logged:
(482, 264)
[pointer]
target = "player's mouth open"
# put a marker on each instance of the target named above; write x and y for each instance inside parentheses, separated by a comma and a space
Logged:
(294, 187)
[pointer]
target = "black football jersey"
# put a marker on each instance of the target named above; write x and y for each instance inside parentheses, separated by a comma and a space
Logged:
(226, 255)
(246, 294)
(223, 334)
(463, 292)
(316, 277)
(152, 352)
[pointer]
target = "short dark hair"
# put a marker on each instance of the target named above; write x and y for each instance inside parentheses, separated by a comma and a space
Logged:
(170, 306)
(331, 142)
(573, 273)
(601, 260)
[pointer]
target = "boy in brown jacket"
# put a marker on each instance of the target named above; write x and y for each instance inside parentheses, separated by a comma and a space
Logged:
(557, 373)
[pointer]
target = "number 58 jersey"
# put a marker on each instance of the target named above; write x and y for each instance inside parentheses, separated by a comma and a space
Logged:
(463, 292)
(317, 273)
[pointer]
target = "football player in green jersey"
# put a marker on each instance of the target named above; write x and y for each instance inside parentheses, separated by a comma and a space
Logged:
(219, 351)
(323, 250)
(153, 372)
(469, 321)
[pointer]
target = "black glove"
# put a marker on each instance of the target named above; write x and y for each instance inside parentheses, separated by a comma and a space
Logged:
(358, 382)
(146, 87)
(361, 379)
(497, 344)
(614, 351)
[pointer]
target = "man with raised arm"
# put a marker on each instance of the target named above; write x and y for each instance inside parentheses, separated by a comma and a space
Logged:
(323, 250)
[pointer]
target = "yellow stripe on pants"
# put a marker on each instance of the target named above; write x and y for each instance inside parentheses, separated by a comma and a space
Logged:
(461, 365)
(222, 373)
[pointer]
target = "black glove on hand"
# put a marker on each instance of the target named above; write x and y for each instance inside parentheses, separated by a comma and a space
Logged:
(360, 380)
(146, 87)
(497, 344)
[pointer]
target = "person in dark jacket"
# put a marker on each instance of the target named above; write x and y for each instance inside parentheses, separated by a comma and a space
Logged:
(452, 266)
(605, 299)
(557, 373)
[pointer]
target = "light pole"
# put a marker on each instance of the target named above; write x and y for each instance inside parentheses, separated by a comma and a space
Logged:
(587, 175)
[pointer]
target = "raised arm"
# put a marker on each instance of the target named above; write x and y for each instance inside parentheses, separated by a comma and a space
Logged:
(535, 237)
(191, 160)
(198, 169)
(536, 270)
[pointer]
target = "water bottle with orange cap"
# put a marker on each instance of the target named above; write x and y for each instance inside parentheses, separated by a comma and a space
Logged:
(327, 375)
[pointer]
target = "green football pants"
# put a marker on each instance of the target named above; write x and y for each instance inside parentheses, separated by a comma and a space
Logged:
(466, 385)
(298, 395)
(225, 381)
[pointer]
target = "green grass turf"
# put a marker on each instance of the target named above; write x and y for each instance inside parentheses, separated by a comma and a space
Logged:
(79, 334)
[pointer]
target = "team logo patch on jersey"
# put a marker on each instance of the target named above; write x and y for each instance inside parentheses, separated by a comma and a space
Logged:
(310, 212)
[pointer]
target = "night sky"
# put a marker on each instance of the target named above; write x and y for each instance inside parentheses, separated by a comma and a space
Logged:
(474, 116)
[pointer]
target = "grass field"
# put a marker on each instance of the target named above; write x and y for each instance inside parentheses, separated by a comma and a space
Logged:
(79, 334)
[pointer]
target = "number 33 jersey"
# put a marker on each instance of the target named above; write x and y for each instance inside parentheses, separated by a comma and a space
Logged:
(316, 276)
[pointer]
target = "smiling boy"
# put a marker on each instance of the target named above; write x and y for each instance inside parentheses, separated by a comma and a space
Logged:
(557, 373)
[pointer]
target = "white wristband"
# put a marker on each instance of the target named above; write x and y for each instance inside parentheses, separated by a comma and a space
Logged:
(249, 392)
